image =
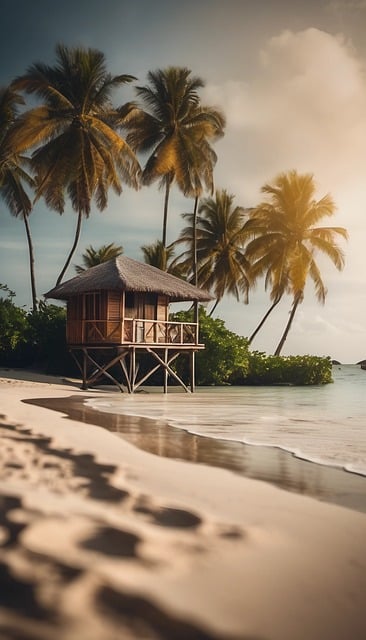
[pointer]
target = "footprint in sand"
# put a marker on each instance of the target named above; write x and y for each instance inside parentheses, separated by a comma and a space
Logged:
(113, 542)
(168, 516)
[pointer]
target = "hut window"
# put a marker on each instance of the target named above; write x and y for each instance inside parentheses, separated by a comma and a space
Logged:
(93, 306)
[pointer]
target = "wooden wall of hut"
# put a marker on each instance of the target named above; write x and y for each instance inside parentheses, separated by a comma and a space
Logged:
(106, 317)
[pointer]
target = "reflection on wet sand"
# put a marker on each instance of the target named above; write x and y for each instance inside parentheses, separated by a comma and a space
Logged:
(268, 464)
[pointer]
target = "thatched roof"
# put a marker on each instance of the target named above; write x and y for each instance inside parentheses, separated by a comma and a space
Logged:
(125, 274)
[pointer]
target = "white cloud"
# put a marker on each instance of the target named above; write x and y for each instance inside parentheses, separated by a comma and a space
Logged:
(303, 109)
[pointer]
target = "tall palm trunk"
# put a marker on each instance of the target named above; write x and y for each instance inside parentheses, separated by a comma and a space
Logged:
(288, 326)
(75, 243)
(31, 262)
(166, 203)
(263, 321)
(195, 266)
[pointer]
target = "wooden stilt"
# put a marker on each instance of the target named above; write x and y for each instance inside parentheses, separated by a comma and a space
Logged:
(122, 363)
(165, 371)
(102, 370)
(167, 367)
(85, 369)
(133, 369)
(192, 371)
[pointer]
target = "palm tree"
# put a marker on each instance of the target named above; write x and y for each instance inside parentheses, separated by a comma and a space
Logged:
(163, 258)
(286, 240)
(13, 177)
(91, 257)
(74, 133)
(175, 130)
(222, 265)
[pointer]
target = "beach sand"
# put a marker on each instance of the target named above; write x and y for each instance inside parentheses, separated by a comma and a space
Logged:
(101, 540)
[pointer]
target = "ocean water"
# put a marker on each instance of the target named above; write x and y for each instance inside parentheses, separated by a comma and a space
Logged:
(323, 424)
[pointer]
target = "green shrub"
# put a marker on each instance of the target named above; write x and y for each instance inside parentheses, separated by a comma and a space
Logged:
(297, 370)
(34, 339)
(225, 358)
(13, 329)
(47, 338)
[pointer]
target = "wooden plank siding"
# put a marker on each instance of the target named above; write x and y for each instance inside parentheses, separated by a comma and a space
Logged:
(115, 317)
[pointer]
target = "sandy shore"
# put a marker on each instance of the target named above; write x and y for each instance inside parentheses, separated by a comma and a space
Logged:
(100, 540)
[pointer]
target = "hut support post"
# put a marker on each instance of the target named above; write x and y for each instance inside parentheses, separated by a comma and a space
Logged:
(192, 371)
(102, 370)
(132, 369)
(85, 369)
(122, 362)
(99, 371)
(165, 371)
(82, 367)
(165, 363)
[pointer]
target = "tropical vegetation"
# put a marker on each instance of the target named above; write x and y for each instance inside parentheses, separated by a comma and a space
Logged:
(37, 339)
(13, 326)
(74, 145)
(176, 130)
(226, 355)
(285, 241)
(218, 237)
(33, 338)
(264, 369)
(163, 258)
(92, 257)
(13, 176)
(73, 133)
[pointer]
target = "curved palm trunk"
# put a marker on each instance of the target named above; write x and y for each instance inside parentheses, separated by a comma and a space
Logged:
(76, 240)
(288, 326)
(263, 321)
(166, 203)
(214, 307)
(31, 262)
(195, 269)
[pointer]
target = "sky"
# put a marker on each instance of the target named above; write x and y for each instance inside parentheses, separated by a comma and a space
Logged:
(291, 79)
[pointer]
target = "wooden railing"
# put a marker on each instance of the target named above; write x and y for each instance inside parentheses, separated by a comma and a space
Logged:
(132, 331)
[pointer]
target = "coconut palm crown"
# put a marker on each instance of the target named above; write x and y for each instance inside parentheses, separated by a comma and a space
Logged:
(286, 239)
(176, 130)
(91, 256)
(222, 265)
(162, 257)
(73, 132)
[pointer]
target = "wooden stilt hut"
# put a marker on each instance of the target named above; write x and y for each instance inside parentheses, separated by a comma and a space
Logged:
(118, 311)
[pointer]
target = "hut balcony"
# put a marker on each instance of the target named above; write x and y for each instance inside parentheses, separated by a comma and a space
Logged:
(132, 332)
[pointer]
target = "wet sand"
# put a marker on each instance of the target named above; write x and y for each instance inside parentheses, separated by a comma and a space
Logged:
(269, 464)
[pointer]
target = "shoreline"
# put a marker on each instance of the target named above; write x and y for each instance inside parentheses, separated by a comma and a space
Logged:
(100, 540)
(266, 463)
